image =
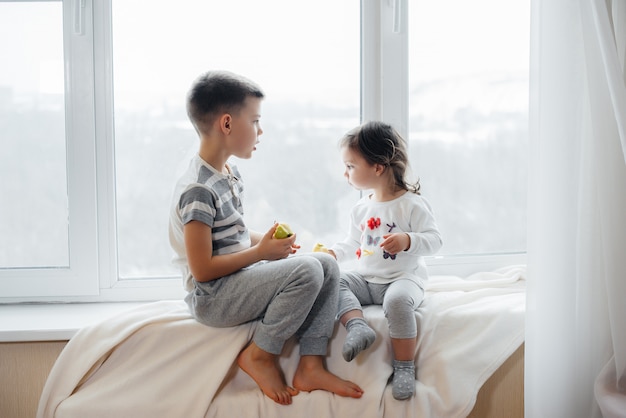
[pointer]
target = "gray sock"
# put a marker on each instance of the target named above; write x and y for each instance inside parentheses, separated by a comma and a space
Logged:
(403, 384)
(360, 336)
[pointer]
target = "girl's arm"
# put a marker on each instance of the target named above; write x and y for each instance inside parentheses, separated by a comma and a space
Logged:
(424, 234)
(345, 250)
(425, 243)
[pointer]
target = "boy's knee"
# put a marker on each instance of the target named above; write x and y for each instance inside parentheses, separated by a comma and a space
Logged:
(329, 266)
(312, 270)
(328, 262)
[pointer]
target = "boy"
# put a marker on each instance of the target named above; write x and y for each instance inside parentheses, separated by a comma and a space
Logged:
(227, 268)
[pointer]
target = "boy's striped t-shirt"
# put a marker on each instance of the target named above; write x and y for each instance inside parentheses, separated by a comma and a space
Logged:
(206, 195)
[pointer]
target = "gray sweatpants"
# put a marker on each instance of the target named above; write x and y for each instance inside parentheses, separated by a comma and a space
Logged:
(399, 299)
(292, 296)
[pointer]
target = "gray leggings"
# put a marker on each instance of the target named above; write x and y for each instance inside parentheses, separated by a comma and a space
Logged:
(399, 299)
(292, 296)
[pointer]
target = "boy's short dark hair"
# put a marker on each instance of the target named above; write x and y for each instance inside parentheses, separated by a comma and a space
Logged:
(218, 92)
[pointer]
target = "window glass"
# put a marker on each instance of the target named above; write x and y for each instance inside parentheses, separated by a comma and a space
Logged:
(307, 62)
(33, 203)
(468, 119)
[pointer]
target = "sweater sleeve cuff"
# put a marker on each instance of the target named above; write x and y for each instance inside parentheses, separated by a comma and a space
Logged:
(414, 246)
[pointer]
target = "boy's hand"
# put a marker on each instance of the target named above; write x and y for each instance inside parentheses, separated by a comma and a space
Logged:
(396, 242)
(272, 248)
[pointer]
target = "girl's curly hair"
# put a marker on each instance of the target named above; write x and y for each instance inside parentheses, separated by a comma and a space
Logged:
(380, 143)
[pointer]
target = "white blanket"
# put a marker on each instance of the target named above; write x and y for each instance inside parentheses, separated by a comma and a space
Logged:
(156, 361)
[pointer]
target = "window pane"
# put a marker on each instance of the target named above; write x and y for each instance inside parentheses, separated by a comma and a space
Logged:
(33, 207)
(311, 80)
(468, 119)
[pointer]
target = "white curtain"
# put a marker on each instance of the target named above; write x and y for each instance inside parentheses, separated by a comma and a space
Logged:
(576, 294)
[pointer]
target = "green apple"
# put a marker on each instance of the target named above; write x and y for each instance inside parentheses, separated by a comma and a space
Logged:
(283, 231)
(320, 248)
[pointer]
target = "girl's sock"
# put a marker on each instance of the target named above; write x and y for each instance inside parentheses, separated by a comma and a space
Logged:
(403, 383)
(360, 336)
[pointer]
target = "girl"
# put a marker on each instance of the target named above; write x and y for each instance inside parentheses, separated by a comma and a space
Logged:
(391, 229)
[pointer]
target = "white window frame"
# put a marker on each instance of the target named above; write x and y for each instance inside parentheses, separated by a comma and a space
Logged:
(384, 96)
(34, 283)
(112, 288)
(92, 274)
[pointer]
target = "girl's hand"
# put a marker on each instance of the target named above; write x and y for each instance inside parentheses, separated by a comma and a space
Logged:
(321, 248)
(271, 248)
(396, 242)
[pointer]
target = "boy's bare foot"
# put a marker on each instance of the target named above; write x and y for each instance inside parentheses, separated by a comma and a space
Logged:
(312, 375)
(263, 368)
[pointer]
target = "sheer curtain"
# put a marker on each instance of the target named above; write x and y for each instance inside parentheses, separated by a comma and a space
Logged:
(576, 294)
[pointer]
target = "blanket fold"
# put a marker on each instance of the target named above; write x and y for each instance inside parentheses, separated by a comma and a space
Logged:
(156, 361)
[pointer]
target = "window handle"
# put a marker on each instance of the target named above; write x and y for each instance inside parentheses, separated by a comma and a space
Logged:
(79, 17)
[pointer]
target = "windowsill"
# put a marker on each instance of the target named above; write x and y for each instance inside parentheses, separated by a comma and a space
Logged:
(53, 322)
(22, 322)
